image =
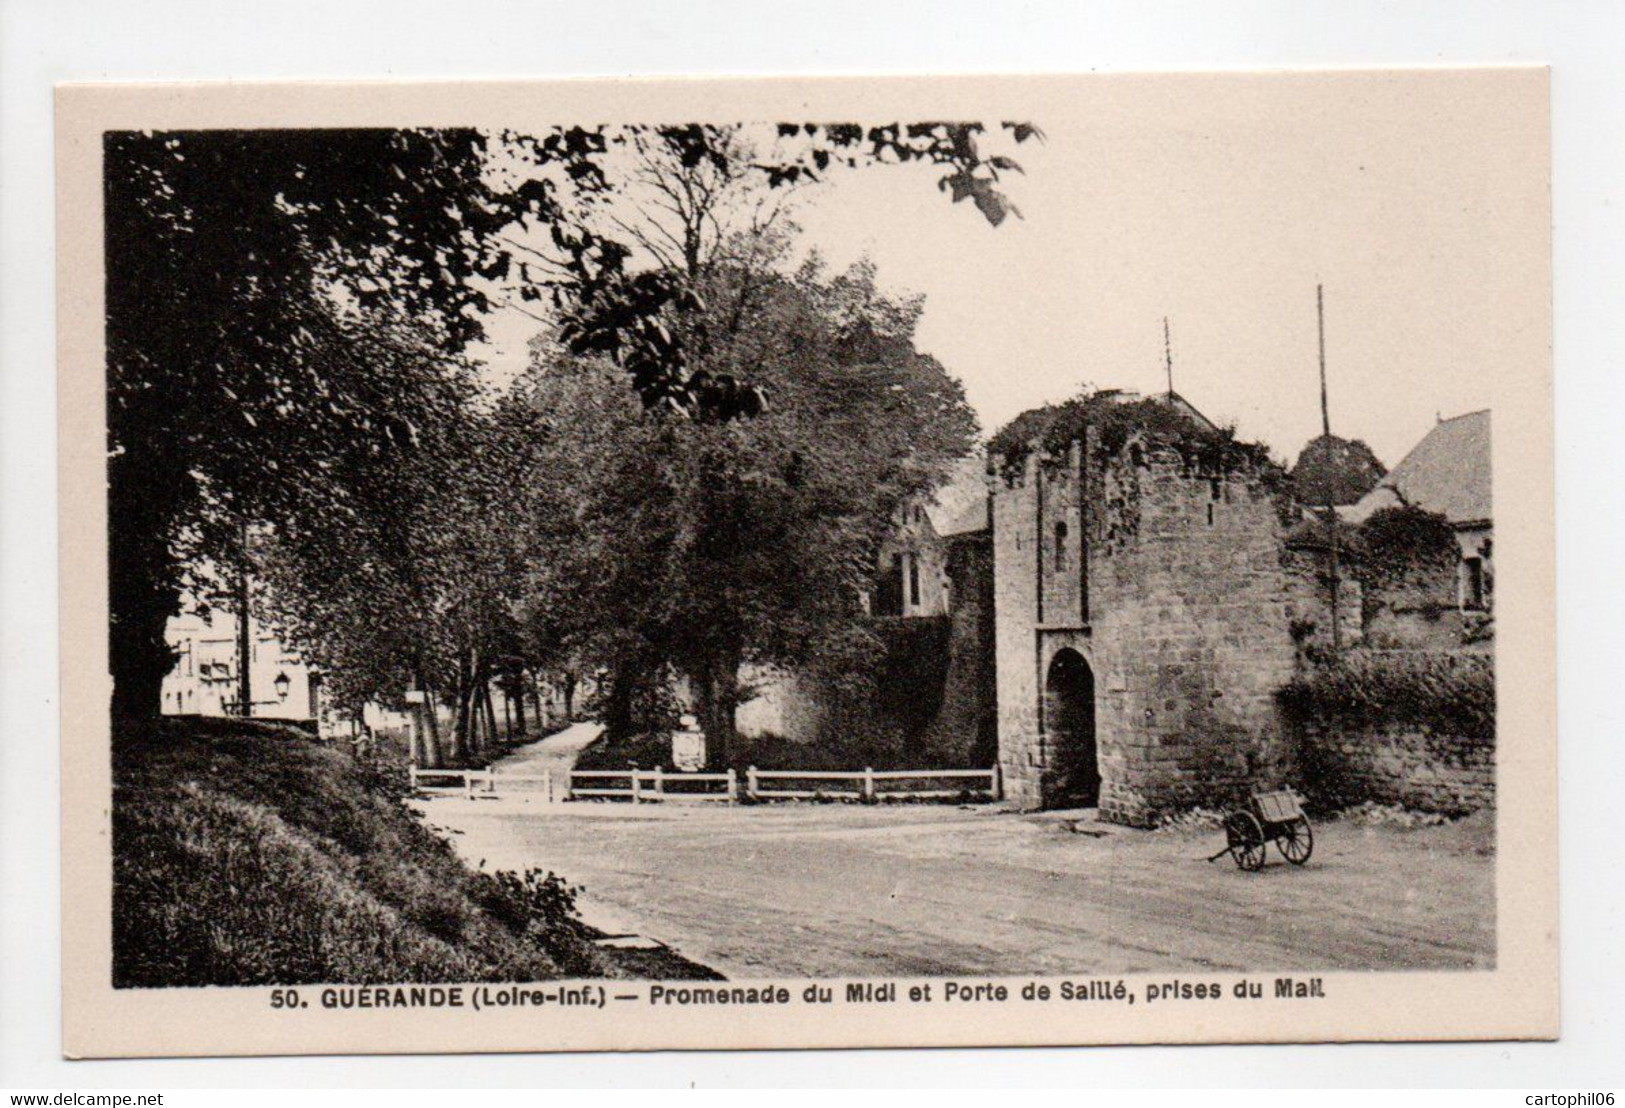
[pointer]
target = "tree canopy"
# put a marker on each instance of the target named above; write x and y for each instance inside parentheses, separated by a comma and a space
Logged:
(1335, 471)
(286, 313)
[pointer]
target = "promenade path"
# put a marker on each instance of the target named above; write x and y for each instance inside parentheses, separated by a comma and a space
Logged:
(555, 754)
(836, 890)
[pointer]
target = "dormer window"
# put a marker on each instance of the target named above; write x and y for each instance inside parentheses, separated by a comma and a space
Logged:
(1060, 547)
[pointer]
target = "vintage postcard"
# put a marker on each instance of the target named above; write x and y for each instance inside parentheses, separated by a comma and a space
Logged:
(648, 564)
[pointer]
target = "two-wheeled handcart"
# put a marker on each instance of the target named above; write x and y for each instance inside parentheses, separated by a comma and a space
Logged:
(1276, 817)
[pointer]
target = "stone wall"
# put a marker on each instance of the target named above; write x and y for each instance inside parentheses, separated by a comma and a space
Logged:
(785, 704)
(1192, 635)
(1308, 579)
(1015, 594)
(1413, 607)
(1410, 766)
(965, 731)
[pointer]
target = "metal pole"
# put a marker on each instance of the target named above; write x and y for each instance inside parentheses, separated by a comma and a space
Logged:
(1168, 354)
(245, 644)
(1330, 513)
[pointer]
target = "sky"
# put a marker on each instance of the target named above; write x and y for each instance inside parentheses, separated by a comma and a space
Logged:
(1420, 202)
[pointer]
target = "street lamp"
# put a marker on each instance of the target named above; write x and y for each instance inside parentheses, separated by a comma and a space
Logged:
(282, 686)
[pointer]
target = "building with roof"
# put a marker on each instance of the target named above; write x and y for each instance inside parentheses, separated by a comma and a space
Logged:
(1448, 473)
(912, 578)
(205, 679)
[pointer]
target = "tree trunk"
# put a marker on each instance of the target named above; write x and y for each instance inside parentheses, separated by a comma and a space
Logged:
(142, 587)
(516, 696)
(717, 702)
(618, 704)
(462, 730)
(493, 740)
(428, 713)
(139, 656)
(542, 718)
(569, 698)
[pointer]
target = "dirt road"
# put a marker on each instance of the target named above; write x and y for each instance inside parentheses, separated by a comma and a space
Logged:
(843, 890)
(555, 754)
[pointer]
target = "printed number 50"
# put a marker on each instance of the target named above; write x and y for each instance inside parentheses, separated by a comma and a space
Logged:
(286, 998)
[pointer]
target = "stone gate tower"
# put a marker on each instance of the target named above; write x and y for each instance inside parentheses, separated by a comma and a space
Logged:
(1144, 609)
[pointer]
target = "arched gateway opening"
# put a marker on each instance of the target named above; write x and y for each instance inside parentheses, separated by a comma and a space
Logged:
(1069, 719)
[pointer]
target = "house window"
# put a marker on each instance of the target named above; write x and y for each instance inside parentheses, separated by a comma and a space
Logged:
(888, 599)
(1210, 514)
(1060, 547)
(913, 581)
(1472, 584)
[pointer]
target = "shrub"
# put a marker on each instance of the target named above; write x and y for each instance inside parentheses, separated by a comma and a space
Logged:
(1396, 542)
(540, 906)
(1448, 693)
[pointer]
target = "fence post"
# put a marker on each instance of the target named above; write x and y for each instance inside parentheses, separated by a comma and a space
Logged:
(733, 786)
(635, 787)
(660, 781)
(750, 782)
(996, 781)
(468, 784)
(412, 775)
(491, 780)
(868, 782)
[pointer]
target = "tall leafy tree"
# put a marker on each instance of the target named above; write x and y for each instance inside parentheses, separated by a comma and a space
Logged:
(244, 266)
(1331, 470)
(708, 546)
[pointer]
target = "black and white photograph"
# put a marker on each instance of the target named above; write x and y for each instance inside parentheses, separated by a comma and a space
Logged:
(1038, 547)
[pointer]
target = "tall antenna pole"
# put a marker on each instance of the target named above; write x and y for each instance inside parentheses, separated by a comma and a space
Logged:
(1168, 355)
(1320, 315)
(1330, 512)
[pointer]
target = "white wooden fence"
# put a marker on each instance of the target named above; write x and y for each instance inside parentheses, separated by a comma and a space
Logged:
(638, 785)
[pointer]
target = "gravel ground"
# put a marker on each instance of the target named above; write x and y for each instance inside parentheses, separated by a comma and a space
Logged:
(804, 890)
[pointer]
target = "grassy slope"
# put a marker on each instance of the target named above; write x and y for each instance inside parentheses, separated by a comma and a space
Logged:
(247, 854)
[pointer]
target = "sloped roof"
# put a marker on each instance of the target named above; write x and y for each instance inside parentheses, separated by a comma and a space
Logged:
(1447, 472)
(974, 518)
(960, 505)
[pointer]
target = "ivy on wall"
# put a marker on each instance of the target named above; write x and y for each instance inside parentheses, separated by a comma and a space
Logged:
(1051, 429)
(1444, 692)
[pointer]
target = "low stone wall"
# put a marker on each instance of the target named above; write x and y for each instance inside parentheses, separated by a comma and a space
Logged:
(1408, 765)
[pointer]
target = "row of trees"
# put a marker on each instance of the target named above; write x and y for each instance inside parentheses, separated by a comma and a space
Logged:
(286, 318)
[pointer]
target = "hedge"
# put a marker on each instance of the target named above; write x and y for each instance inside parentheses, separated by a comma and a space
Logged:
(1448, 693)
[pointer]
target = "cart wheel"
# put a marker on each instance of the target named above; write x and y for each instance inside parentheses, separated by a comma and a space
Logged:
(1246, 838)
(1296, 841)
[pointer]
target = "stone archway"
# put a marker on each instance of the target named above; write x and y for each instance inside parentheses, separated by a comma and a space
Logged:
(1069, 721)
